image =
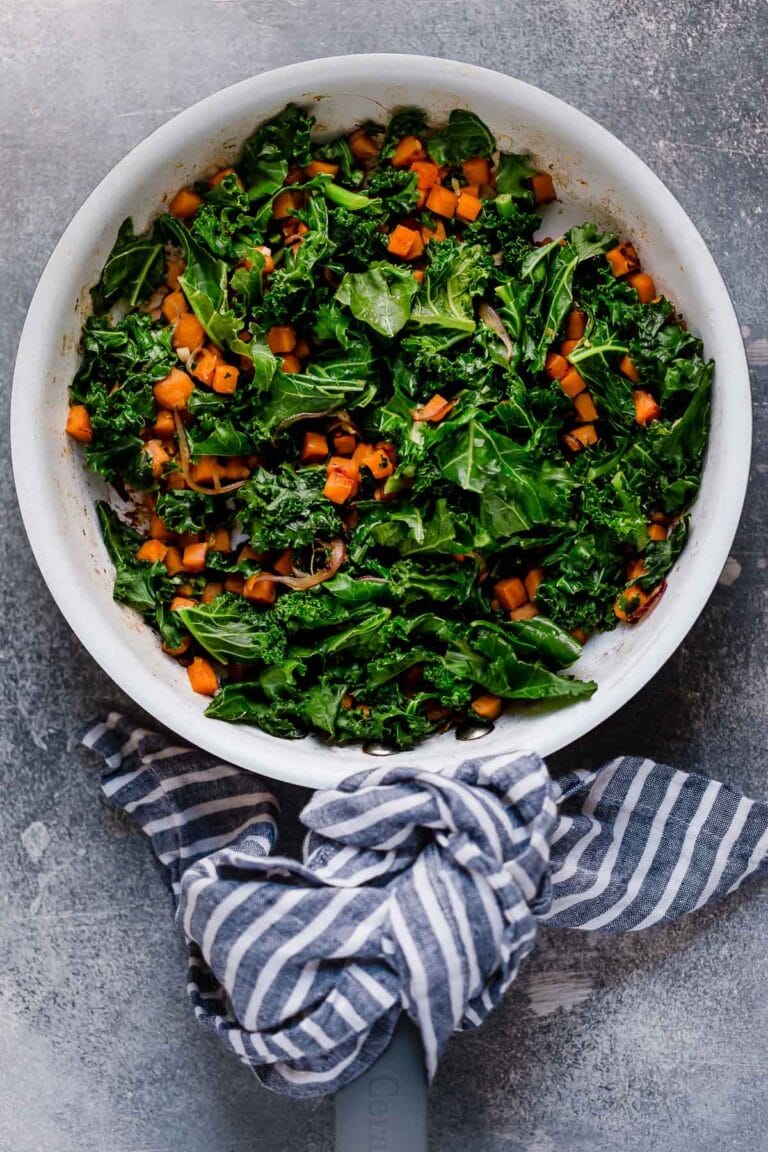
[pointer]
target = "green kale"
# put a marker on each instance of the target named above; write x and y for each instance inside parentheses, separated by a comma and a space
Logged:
(183, 510)
(397, 189)
(381, 297)
(463, 137)
(405, 122)
(287, 509)
(276, 145)
(232, 630)
(134, 268)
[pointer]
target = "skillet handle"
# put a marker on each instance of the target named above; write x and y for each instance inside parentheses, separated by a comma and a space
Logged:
(386, 1107)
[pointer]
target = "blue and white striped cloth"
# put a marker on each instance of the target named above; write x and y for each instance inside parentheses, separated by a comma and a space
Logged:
(417, 892)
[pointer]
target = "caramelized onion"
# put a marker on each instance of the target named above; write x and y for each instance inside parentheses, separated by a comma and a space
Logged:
(311, 579)
(491, 317)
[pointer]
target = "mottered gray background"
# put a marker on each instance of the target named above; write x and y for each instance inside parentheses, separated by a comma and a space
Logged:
(643, 1042)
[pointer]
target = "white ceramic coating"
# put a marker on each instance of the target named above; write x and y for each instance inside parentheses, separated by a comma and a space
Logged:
(596, 176)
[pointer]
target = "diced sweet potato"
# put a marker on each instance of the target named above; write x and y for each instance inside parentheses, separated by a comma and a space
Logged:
(435, 409)
(403, 240)
(510, 593)
(194, 557)
(285, 204)
(222, 175)
(362, 146)
(158, 457)
(202, 677)
(180, 602)
(164, 426)
(184, 204)
(487, 707)
(153, 551)
(644, 286)
(206, 470)
(174, 267)
(225, 379)
(220, 540)
(339, 488)
(469, 206)
(157, 529)
(442, 201)
(321, 168)
(173, 561)
(379, 464)
(204, 365)
(408, 150)
(646, 407)
(427, 174)
(623, 259)
(210, 592)
(575, 325)
(79, 424)
(572, 382)
(281, 338)
(532, 581)
(314, 448)
(556, 366)
(283, 565)
(188, 333)
(174, 391)
(437, 233)
(543, 188)
(174, 306)
(630, 603)
(258, 590)
(585, 434)
(627, 368)
(585, 407)
(344, 444)
(477, 170)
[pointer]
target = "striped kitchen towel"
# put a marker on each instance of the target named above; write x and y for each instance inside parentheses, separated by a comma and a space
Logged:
(416, 891)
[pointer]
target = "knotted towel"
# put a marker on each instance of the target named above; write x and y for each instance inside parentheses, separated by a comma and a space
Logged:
(417, 892)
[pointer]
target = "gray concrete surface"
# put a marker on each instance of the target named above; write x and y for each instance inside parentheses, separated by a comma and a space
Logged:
(648, 1042)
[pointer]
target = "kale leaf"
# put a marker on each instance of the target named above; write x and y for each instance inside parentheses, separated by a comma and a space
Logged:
(134, 268)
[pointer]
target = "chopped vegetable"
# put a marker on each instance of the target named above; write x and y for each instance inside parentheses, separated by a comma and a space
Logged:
(623, 259)
(185, 203)
(79, 424)
(644, 286)
(174, 391)
(543, 188)
(487, 707)
(202, 677)
(646, 408)
(408, 151)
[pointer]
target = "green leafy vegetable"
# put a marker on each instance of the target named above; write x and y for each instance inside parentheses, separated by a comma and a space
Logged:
(231, 630)
(463, 137)
(134, 268)
(380, 297)
(205, 285)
